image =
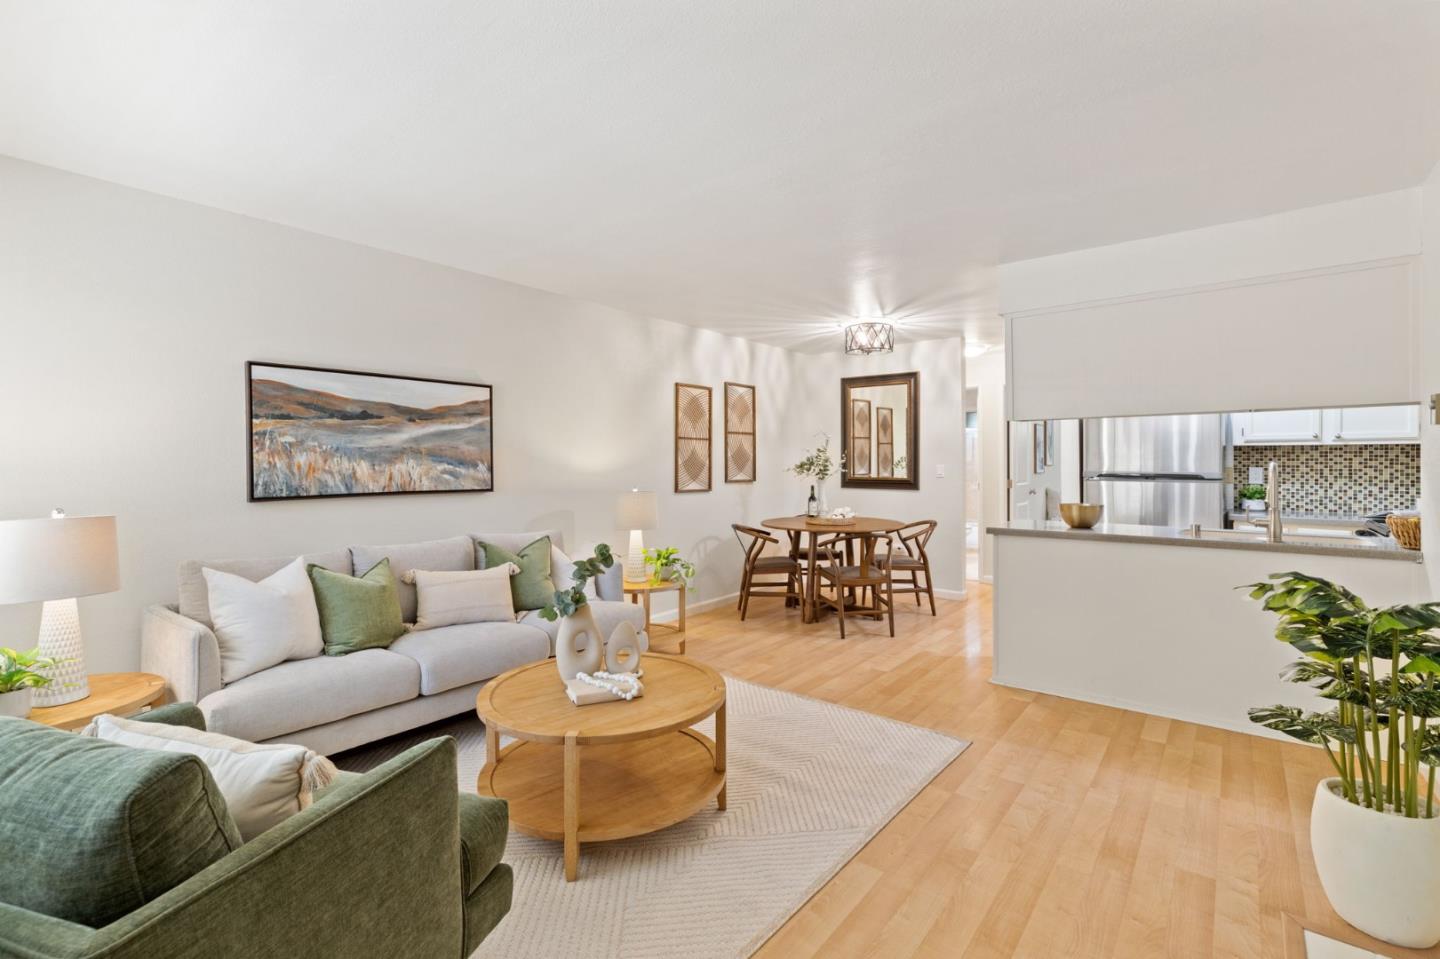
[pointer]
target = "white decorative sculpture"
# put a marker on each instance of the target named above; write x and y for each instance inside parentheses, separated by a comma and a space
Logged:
(622, 652)
(579, 647)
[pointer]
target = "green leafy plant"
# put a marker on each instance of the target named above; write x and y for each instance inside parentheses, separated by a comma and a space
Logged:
(567, 601)
(818, 464)
(1379, 667)
(18, 669)
(668, 558)
(1252, 491)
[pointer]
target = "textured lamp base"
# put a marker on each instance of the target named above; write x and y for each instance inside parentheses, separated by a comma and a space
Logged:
(635, 561)
(60, 639)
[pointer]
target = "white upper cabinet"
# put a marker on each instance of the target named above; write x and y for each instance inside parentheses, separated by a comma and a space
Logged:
(1278, 426)
(1373, 424)
(1352, 424)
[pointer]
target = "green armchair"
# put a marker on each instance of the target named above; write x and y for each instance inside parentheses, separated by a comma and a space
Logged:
(394, 862)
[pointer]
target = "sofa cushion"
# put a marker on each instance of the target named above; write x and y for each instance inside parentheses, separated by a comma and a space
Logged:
(454, 554)
(95, 830)
(259, 625)
(195, 596)
(469, 653)
(531, 587)
(308, 692)
(608, 615)
(357, 612)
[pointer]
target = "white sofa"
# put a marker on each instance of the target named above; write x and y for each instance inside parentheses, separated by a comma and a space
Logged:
(333, 703)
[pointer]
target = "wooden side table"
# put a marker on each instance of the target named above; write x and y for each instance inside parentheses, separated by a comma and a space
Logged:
(639, 591)
(121, 694)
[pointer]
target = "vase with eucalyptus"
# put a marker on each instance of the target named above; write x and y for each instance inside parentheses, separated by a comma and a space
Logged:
(579, 647)
(1375, 825)
(818, 466)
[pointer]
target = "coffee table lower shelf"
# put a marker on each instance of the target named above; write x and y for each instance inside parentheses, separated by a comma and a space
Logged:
(624, 789)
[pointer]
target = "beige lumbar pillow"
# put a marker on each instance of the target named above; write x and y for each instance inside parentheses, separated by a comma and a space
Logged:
(448, 598)
(263, 785)
(259, 625)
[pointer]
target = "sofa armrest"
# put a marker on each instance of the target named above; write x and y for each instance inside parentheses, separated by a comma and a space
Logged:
(392, 836)
(181, 650)
(174, 714)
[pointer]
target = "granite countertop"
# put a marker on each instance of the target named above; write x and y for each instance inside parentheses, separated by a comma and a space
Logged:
(1366, 547)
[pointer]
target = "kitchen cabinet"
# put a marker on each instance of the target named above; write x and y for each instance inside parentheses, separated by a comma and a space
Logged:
(1278, 426)
(1372, 424)
(1351, 424)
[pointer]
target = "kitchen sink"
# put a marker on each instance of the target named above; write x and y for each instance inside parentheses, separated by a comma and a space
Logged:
(1302, 536)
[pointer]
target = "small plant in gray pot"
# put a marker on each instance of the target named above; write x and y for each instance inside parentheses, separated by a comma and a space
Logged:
(1375, 824)
(19, 678)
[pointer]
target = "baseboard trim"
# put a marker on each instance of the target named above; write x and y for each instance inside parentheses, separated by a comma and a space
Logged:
(951, 593)
(705, 605)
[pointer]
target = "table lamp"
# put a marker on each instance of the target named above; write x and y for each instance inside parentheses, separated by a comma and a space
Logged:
(55, 560)
(636, 512)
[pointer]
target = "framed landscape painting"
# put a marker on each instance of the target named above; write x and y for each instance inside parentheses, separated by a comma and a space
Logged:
(319, 432)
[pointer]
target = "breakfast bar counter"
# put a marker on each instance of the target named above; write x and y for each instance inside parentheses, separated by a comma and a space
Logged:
(1361, 547)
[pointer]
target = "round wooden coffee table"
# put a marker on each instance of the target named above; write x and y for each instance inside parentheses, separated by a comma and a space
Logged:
(644, 767)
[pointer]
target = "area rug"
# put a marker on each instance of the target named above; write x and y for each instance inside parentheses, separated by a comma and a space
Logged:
(809, 784)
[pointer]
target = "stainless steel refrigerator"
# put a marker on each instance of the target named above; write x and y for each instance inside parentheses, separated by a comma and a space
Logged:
(1157, 470)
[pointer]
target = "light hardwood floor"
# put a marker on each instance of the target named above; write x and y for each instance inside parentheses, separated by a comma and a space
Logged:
(1066, 829)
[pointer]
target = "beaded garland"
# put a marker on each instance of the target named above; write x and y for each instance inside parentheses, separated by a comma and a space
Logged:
(624, 685)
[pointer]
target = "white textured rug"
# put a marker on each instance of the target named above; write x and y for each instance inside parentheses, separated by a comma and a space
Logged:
(809, 784)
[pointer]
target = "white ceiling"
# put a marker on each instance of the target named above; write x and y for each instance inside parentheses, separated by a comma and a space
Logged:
(761, 167)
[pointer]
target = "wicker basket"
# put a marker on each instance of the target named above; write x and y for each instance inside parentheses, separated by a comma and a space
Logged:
(1405, 529)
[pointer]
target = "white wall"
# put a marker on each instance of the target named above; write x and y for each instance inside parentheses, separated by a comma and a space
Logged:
(987, 374)
(815, 406)
(127, 319)
(1429, 375)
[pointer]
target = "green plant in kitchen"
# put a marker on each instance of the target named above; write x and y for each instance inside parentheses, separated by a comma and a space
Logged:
(1253, 493)
(18, 669)
(666, 563)
(567, 602)
(1379, 667)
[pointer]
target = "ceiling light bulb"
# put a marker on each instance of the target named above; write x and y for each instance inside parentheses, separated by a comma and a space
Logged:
(973, 350)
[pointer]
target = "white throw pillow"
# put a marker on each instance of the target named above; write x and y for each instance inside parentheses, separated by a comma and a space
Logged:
(451, 597)
(263, 785)
(259, 625)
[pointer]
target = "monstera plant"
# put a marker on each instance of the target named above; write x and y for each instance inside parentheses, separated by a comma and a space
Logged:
(1376, 819)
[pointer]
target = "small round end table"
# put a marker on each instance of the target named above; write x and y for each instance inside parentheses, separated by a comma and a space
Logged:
(643, 591)
(122, 694)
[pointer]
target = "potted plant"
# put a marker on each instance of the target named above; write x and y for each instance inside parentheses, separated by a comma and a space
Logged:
(1252, 496)
(818, 466)
(666, 564)
(579, 647)
(19, 679)
(1374, 828)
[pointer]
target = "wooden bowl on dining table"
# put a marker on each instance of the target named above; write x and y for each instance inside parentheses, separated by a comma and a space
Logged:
(1081, 515)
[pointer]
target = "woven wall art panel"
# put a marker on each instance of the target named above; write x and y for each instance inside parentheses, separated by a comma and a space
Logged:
(692, 438)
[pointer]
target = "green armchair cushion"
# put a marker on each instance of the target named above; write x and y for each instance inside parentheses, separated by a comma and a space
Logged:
(107, 828)
(484, 827)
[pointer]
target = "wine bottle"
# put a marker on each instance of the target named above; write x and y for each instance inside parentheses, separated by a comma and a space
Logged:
(812, 508)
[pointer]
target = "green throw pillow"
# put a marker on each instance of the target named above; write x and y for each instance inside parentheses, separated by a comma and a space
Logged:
(357, 612)
(531, 588)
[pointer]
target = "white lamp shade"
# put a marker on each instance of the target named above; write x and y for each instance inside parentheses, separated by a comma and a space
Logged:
(42, 559)
(636, 510)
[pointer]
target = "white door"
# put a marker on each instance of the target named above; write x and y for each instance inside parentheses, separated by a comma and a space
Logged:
(1027, 497)
(1372, 424)
(1280, 426)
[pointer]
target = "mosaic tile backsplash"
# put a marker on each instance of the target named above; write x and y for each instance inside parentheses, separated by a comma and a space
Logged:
(1339, 479)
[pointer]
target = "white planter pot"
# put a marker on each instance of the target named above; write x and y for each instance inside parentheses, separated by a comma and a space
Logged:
(16, 703)
(579, 647)
(1380, 871)
(1253, 505)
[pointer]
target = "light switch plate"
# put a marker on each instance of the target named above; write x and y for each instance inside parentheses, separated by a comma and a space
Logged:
(939, 470)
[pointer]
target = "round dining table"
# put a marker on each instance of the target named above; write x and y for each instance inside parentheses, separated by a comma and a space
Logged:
(803, 548)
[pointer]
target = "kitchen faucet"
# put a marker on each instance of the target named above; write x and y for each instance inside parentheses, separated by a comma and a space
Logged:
(1275, 528)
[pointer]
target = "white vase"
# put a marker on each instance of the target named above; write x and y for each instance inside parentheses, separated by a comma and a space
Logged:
(579, 647)
(820, 497)
(622, 650)
(17, 703)
(1381, 872)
